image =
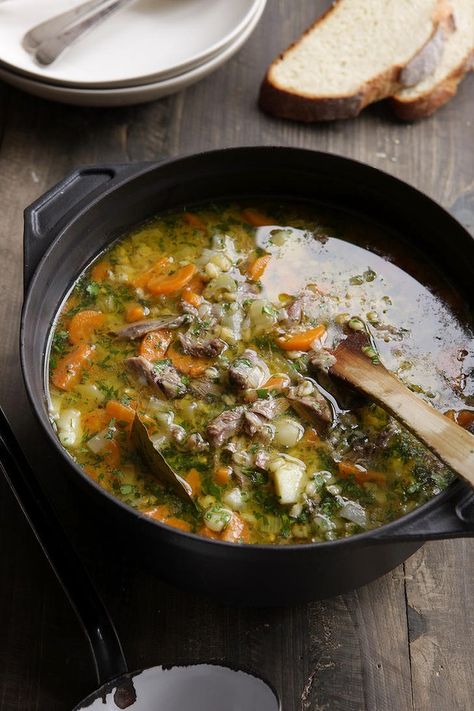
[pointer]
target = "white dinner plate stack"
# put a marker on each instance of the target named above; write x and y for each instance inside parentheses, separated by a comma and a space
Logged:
(148, 50)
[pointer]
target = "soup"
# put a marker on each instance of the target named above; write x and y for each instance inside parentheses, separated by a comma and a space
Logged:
(209, 333)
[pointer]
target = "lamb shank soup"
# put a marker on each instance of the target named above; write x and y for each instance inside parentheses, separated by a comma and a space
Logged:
(188, 372)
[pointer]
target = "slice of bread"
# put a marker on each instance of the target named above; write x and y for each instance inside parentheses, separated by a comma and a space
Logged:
(356, 53)
(458, 58)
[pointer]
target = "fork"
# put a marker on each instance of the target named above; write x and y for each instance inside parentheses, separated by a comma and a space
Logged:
(51, 45)
(47, 29)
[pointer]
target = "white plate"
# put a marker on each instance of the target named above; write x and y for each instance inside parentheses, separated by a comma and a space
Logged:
(135, 94)
(147, 42)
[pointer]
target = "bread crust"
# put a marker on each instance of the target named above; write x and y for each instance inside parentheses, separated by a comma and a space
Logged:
(428, 103)
(281, 102)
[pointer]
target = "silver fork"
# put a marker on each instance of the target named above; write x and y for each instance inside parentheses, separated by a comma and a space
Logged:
(38, 34)
(50, 38)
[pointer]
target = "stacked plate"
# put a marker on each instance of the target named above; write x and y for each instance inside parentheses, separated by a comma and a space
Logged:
(146, 51)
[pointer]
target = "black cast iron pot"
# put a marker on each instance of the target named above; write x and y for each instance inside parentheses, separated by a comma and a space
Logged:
(67, 227)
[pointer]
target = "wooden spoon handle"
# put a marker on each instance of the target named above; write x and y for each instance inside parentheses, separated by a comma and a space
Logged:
(450, 442)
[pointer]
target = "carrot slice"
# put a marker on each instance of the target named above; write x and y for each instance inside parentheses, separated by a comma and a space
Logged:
(256, 218)
(194, 480)
(311, 436)
(95, 420)
(360, 474)
(83, 324)
(164, 514)
(159, 267)
(206, 532)
(160, 513)
(176, 522)
(172, 282)
(134, 312)
(222, 475)
(155, 344)
(451, 414)
(119, 412)
(100, 271)
(192, 298)
(276, 382)
(465, 418)
(111, 453)
(194, 221)
(192, 291)
(236, 530)
(302, 341)
(370, 475)
(257, 268)
(187, 364)
(347, 469)
(69, 369)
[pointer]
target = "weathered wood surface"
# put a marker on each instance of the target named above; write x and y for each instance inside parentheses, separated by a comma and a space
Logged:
(403, 643)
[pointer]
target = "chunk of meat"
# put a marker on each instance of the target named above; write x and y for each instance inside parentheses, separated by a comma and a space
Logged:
(225, 426)
(257, 417)
(200, 347)
(138, 329)
(295, 310)
(161, 375)
(309, 403)
(321, 359)
(258, 426)
(177, 433)
(252, 423)
(261, 459)
(270, 407)
(248, 371)
(197, 443)
(205, 388)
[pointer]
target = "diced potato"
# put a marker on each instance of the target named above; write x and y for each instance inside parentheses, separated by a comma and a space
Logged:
(263, 316)
(217, 518)
(288, 432)
(289, 476)
(289, 481)
(69, 427)
(91, 393)
(54, 408)
(97, 443)
(234, 499)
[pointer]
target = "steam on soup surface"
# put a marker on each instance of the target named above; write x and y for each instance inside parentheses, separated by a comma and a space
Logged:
(214, 328)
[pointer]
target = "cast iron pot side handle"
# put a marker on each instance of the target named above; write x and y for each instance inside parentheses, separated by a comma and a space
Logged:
(453, 519)
(44, 217)
(105, 644)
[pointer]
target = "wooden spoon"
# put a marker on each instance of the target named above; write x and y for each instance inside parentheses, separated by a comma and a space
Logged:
(450, 442)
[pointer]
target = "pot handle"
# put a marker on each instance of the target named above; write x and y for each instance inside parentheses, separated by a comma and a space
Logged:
(454, 518)
(99, 628)
(49, 213)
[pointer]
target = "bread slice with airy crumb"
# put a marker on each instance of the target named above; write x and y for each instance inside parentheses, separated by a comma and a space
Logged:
(358, 52)
(458, 58)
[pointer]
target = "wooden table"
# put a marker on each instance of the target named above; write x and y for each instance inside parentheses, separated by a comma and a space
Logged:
(402, 643)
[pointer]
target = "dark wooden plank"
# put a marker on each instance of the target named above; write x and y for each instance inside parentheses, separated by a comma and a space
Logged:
(440, 596)
(350, 653)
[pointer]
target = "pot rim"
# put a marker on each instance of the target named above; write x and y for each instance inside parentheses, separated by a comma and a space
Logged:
(366, 537)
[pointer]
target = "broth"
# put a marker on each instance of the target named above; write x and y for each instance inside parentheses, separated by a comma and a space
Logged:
(215, 329)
